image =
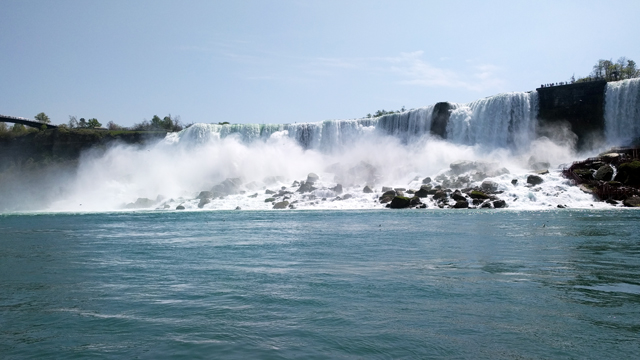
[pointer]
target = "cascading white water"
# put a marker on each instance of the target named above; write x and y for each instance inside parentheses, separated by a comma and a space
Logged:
(622, 111)
(256, 164)
(500, 121)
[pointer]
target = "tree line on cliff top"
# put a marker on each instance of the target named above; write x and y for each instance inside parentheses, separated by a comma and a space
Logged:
(608, 70)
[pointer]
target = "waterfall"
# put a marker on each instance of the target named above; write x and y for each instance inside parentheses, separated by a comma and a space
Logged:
(622, 111)
(500, 121)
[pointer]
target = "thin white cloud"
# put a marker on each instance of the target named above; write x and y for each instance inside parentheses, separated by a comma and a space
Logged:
(416, 71)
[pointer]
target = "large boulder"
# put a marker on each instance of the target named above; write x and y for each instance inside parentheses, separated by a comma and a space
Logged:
(281, 205)
(534, 180)
(426, 180)
(629, 173)
(337, 189)
(203, 202)
(367, 190)
(312, 178)
(423, 192)
(205, 195)
(604, 173)
(499, 204)
(475, 194)
(229, 186)
(489, 186)
(457, 196)
(440, 194)
(400, 202)
(306, 187)
(461, 204)
(633, 201)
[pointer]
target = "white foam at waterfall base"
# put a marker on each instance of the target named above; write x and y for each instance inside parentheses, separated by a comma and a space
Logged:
(394, 151)
(622, 112)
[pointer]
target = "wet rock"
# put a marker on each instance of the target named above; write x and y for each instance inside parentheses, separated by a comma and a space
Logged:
(514, 181)
(269, 192)
(312, 178)
(633, 201)
(440, 194)
(269, 200)
(205, 195)
(584, 174)
(499, 204)
(461, 204)
(254, 195)
(306, 187)
(179, 207)
(295, 183)
(426, 180)
(560, 206)
(386, 188)
(629, 173)
(386, 199)
(238, 208)
(367, 190)
(400, 189)
(415, 201)
(337, 189)
(347, 197)
(604, 173)
(229, 186)
(534, 180)
(475, 194)
(423, 192)
(457, 196)
(542, 172)
(489, 186)
(400, 202)
(281, 205)
(203, 202)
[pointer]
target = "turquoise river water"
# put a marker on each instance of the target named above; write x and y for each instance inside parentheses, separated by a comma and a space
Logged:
(441, 284)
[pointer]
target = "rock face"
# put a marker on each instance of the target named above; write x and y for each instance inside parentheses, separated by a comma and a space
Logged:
(534, 180)
(579, 105)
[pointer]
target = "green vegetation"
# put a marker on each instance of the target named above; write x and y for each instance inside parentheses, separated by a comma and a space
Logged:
(42, 117)
(384, 112)
(167, 123)
(612, 71)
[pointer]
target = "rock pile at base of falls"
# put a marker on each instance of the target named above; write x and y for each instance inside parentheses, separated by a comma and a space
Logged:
(613, 176)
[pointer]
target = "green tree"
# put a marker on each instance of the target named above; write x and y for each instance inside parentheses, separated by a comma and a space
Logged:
(82, 123)
(42, 117)
(18, 128)
(93, 123)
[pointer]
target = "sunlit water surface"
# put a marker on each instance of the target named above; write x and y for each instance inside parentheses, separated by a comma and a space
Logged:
(321, 284)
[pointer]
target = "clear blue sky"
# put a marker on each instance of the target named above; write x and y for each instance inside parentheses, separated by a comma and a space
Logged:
(292, 61)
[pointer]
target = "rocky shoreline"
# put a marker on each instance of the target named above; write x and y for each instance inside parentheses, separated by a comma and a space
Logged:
(612, 177)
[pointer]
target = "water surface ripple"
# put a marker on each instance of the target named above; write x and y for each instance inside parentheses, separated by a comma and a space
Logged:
(321, 284)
